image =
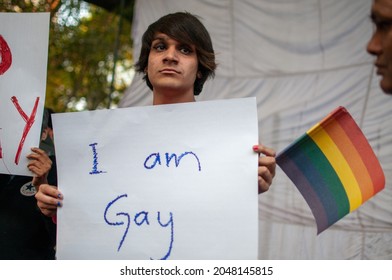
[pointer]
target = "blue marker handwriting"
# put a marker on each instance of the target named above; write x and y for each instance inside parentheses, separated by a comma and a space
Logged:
(143, 217)
(140, 218)
(95, 160)
(155, 158)
(151, 161)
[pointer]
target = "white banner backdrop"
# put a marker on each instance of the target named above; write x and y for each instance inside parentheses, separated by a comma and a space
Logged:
(300, 59)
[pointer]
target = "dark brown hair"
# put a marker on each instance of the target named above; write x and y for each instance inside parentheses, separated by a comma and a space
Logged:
(185, 28)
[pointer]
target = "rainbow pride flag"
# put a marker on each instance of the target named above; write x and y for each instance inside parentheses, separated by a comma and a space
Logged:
(334, 168)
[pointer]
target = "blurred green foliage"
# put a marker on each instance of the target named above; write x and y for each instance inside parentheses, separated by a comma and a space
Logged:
(82, 44)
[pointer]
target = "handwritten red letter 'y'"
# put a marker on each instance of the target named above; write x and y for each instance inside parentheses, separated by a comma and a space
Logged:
(29, 123)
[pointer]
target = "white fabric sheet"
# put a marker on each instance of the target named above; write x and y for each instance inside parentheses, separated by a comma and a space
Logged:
(300, 59)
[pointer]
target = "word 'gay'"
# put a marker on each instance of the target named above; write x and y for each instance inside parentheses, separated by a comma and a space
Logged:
(140, 218)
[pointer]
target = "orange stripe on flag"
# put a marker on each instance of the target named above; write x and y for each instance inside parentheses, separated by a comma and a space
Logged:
(353, 158)
(364, 149)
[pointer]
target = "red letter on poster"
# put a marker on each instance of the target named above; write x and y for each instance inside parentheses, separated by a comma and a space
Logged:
(29, 123)
(5, 56)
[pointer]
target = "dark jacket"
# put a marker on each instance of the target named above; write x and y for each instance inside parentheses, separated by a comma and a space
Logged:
(25, 233)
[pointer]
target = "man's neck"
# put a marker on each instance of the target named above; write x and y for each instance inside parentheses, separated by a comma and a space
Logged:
(162, 98)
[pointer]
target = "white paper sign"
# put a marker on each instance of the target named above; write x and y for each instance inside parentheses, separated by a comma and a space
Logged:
(23, 64)
(159, 182)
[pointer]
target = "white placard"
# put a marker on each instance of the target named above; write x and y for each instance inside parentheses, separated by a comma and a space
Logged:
(23, 66)
(159, 182)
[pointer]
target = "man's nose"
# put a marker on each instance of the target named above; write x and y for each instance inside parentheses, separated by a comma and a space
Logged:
(171, 54)
(374, 45)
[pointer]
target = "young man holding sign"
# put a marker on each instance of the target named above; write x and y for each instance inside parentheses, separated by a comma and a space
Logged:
(176, 58)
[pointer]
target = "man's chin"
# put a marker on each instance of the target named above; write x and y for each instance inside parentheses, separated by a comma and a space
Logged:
(386, 86)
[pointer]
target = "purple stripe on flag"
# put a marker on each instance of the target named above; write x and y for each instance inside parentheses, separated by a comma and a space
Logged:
(307, 191)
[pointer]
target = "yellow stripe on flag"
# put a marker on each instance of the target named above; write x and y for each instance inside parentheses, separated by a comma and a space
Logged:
(339, 163)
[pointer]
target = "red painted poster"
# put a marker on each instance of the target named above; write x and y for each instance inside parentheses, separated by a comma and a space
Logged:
(23, 69)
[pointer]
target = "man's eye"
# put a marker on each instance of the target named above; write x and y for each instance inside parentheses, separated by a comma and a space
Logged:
(383, 25)
(159, 47)
(186, 50)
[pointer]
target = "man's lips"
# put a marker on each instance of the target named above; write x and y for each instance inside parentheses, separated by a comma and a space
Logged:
(380, 68)
(169, 71)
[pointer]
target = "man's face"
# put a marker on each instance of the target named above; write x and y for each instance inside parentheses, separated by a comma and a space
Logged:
(172, 65)
(380, 45)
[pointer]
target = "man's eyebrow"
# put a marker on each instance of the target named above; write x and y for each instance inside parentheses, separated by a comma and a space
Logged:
(375, 17)
(160, 37)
